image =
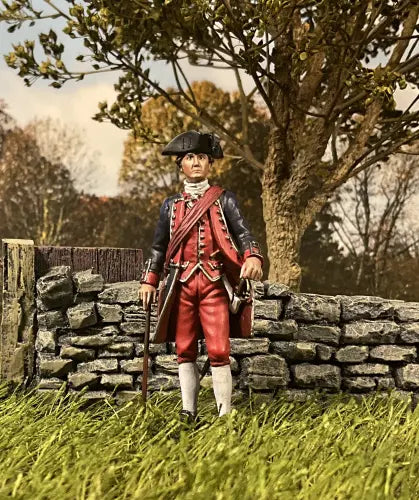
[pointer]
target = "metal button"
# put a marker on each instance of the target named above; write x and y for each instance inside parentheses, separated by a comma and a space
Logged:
(201, 252)
(201, 245)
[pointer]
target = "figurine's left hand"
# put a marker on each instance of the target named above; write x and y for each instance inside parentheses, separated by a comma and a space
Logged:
(252, 269)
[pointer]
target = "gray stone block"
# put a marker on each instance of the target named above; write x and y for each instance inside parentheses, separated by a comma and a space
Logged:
(134, 365)
(261, 382)
(406, 311)
(352, 354)
(276, 290)
(84, 297)
(310, 307)
(370, 332)
(51, 383)
(99, 365)
(385, 383)
(324, 352)
(108, 330)
(119, 380)
(162, 382)
(166, 363)
(77, 354)
(268, 364)
(360, 307)
(278, 330)
(407, 377)
(267, 309)
(89, 341)
(45, 341)
(134, 327)
(55, 367)
(51, 320)
(121, 293)
(319, 333)
(295, 351)
(55, 288)
(117, 350)
(409, 333)
(309, 375)
(393, 353)
(80, 380)
(359, 384)
(82, 315)
(243, 347)
(87, 282)
(366, 369)
(153, 349)
(109, 313)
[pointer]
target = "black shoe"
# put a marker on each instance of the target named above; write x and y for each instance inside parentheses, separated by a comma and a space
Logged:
(187, 417)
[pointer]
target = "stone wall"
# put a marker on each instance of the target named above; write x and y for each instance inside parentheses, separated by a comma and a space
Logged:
(90, 336)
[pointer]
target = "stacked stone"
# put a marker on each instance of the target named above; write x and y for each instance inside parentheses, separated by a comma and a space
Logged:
(90, 334)
(356, 344)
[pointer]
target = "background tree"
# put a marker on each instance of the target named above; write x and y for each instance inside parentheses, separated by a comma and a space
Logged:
(37, 197)
(63, 144)
(326, 268)
(374, 224)
(314, 64)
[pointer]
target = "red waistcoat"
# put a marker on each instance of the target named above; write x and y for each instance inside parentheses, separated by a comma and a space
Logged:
(208, 246)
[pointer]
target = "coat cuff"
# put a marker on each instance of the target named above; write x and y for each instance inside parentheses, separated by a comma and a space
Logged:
(253, 251)
(149, 277)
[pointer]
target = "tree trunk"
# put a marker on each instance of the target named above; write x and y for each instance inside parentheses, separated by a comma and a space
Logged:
(290, 203)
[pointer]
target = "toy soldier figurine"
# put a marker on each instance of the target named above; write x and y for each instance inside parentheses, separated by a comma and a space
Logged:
(204, 246)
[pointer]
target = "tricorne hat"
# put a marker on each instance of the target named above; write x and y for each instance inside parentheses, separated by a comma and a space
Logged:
(194, 142)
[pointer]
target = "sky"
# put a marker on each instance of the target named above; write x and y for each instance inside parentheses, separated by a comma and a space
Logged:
(76, 102)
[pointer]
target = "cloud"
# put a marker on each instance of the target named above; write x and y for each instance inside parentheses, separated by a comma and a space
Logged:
(74, 106)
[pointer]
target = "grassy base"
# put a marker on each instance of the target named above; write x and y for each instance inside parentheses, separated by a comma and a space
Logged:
(50, 449)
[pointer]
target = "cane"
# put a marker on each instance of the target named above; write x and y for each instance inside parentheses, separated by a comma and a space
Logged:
(146, 352)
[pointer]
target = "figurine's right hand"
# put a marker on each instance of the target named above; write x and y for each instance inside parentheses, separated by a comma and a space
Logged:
(147, 294)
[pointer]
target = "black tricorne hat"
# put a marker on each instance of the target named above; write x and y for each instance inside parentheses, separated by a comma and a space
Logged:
(194, 142)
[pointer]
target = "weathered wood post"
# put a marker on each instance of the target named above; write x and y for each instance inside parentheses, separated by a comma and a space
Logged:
(18, 299)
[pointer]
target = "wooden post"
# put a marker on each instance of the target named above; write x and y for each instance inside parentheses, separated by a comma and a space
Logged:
(18, 299)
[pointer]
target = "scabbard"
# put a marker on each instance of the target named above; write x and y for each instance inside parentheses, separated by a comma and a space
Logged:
(146, 352)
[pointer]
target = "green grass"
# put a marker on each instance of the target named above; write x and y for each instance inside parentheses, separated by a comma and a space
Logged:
(51, 449)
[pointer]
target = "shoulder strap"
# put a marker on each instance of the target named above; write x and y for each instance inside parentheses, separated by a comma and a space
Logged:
(196, 212)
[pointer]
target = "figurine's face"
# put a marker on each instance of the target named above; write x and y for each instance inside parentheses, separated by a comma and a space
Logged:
(195, 166)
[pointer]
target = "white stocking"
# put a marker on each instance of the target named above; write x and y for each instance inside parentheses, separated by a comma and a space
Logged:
(222, 384)
(189, 385)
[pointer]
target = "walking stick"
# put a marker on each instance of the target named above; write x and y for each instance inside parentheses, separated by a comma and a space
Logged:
(146, 352)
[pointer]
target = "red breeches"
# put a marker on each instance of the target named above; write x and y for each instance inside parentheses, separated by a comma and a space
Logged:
(200, 302)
